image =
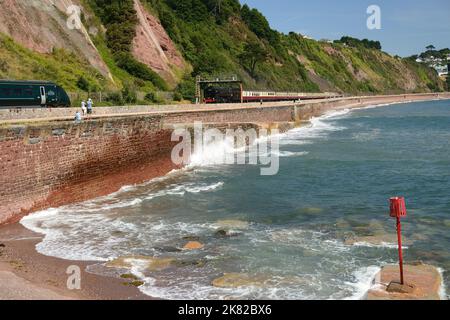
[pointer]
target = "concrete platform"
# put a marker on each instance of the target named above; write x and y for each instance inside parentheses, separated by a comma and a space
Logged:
(425, 280)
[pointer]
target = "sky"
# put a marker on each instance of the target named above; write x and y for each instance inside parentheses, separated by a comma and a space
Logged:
(407, 26)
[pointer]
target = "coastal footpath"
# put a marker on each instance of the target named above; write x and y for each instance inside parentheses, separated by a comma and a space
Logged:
(48, 160)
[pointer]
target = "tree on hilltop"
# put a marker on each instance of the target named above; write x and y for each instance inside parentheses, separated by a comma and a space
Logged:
(258, 24)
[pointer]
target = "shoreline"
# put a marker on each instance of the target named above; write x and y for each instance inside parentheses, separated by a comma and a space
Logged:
(27, 274)
(36, 276)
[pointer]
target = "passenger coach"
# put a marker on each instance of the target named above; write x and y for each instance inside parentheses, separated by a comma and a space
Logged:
(32, 94)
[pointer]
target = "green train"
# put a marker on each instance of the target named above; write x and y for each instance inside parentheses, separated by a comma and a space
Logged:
(16, 94)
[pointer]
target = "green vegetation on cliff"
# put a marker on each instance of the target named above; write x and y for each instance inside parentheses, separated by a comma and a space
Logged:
(223, 38)
(119, 18)
(432, 52)
(353, 42)
(217, 38)
(65, 68)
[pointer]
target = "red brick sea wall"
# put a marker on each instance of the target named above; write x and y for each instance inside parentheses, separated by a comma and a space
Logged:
(49, 163)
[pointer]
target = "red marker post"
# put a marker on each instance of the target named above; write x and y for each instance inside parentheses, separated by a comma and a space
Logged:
(398, 210)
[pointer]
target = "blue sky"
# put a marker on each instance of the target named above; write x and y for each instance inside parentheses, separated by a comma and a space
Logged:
(408, 26)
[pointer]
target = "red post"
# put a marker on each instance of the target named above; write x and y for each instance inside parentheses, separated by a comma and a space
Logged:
(398, 210)
(400, 252)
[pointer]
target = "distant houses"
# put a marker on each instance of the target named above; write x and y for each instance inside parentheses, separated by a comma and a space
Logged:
(442, 71)
(437, 60)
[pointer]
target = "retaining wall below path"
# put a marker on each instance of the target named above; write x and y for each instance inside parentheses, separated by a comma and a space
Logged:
(51, 161)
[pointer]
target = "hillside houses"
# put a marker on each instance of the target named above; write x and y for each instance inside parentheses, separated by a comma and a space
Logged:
(440, 64)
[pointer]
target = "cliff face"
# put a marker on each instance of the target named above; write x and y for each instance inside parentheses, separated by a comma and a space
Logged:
(41, 25)
(153, 47)
(178, 40)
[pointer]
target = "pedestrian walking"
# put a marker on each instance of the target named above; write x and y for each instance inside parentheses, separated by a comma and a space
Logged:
(83, 107)
(90, 105)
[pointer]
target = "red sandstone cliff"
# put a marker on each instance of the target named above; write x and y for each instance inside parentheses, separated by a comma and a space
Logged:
(41, 25)
(153, 46)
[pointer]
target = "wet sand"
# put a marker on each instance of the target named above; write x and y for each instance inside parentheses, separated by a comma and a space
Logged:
(26, 274)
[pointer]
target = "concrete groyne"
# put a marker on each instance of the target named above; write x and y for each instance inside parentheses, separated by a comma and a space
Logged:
(423, 282)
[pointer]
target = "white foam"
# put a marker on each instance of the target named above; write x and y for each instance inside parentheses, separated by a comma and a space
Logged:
(75, 236)
(204, 187)
(336, 113)
(294, 142)
(382, 244)
(282, 154)
(71, 236)
(212, 154)
(104, 203)
(372, 106)
(33, 221)
(318, 127)
(182, 189)
(442, 290)
(217, 152)
(364, 279)
(196, 286)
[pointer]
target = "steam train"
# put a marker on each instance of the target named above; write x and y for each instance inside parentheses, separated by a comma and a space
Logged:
(32, 94)
(236, 95)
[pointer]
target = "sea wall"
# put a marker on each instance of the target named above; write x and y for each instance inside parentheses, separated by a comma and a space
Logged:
(51, 164)
(48, 161)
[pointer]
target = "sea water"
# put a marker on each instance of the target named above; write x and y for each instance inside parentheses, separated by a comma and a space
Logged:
(286, 233)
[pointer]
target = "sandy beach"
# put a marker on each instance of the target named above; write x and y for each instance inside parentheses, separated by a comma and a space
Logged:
(27, 275)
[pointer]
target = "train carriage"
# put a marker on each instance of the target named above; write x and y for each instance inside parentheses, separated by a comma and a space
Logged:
(216, 94)
(32, 94)
(266, 96)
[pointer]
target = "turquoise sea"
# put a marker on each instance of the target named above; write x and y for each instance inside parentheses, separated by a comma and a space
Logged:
(309, 232)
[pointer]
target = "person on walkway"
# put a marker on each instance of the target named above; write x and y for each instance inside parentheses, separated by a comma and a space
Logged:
(83, 107)
(77, 117)
(89, 106)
